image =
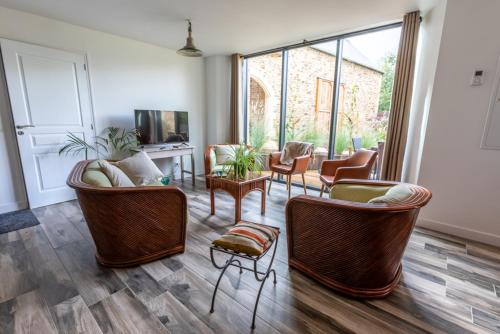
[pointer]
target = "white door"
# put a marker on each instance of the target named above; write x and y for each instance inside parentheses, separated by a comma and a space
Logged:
(50, 97)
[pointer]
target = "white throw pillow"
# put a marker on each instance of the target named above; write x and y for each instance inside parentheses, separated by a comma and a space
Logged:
(140, 169)
(115, 175)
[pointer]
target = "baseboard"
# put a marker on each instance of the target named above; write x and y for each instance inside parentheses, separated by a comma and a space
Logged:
(8, 207)
(463, 232)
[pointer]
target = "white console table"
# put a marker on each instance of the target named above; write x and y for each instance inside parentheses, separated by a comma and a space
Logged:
(170, 152)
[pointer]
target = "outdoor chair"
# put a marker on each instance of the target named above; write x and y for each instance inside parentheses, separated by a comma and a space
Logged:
(357, 166)
(293, 160)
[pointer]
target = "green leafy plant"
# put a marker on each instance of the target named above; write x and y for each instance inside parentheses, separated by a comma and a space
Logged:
(258, 135)
(369, 139)
(113, 142)
(314, 136)
(244, 159)
(342, 141)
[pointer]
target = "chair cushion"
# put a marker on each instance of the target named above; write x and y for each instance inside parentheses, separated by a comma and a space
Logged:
(357, 192)
(140, 169)
(396, 194)
(249, 238)
(96, 178)
(94, 165)
(283, 169)
(294, 149)
(224, 153)
(117, 177)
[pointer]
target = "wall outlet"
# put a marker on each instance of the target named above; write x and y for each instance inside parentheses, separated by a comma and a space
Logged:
(477, 78)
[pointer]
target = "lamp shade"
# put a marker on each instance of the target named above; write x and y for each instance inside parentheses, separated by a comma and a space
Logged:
(189, 50)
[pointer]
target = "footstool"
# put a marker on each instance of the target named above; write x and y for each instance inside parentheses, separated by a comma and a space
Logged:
(250, 241)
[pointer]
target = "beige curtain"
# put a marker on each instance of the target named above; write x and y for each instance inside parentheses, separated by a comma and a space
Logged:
(236, 61)
(401, 99)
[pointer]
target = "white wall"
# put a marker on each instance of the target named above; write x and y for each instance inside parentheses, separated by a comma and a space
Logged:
(218, 85)
(125, 75)
(464, 179)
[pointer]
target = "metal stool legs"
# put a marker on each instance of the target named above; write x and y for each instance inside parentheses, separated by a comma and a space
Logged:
(260, 276)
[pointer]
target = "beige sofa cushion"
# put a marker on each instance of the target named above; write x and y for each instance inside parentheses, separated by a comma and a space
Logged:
(115, 175)
(140, 169)
(397, 194)
(224, 153)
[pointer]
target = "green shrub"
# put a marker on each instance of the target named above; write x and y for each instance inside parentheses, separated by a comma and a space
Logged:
(314, 136)
(258, 136)
(369, 139)
(342, 141)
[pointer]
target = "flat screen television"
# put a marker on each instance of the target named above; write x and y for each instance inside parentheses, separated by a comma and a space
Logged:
(161, 127)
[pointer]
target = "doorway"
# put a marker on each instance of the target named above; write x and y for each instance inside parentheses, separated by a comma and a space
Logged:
(49, 97)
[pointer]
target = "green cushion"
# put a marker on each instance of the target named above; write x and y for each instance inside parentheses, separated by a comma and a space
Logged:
(93, 165)
(396, 194)
(357, 192)
(96, 178)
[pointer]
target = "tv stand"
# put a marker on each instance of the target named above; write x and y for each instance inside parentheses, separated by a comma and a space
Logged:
(169, 151)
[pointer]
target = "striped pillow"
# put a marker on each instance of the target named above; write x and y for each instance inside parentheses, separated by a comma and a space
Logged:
(249, 238)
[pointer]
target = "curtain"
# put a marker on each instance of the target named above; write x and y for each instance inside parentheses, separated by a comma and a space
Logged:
(235, 110)
(399, 116)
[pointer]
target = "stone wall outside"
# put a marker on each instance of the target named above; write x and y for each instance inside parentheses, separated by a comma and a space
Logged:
(359, 94)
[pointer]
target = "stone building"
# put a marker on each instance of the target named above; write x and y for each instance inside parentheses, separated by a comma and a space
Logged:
(311, 72)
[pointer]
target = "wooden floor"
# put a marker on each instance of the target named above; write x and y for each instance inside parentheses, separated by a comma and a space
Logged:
(50, 282)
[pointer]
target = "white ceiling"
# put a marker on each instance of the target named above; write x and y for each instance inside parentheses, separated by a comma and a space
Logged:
(221, 26)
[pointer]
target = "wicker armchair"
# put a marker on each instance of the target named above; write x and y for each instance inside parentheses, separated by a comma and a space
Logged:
(357, 166)
(131, 226)
(355, 248)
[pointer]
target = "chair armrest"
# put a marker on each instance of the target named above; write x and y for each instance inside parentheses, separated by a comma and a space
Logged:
(208, 160)
(329, 167)
(274, 158)
(355, 172)
(300, 164)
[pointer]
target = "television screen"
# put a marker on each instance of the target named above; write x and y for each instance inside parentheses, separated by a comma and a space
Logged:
(161, 127)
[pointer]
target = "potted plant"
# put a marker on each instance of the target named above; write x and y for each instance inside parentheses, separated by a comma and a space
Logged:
(115, 143)
(243, 160)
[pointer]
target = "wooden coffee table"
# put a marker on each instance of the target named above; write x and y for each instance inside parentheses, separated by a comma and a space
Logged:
(238, 188)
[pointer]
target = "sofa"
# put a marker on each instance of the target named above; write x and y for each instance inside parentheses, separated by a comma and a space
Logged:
(354, 241)
(129, 225)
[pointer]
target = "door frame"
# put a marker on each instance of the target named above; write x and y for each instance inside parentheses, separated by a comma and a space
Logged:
(24, 202)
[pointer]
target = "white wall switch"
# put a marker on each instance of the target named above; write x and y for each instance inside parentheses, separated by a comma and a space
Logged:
(477, 78)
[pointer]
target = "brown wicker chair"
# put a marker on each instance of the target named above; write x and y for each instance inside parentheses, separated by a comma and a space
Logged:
(131, 226)
(357, 166)
(354, 248)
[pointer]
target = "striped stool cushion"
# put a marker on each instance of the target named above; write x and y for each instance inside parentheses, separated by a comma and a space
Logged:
(249, 238)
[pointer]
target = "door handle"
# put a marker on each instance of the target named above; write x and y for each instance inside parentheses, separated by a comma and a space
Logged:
(24, 126)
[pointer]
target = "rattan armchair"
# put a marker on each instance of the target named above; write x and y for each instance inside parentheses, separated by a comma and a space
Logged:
(352, 247)
(132, 225)
(357, 166)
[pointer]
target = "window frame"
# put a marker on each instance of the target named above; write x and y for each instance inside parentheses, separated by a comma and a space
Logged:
(284, 82)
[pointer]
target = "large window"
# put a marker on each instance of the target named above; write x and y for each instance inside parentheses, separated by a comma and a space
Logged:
(303, 93)
(264, 76)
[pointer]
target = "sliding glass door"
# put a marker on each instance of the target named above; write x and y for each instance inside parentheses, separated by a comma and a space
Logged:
(303, 93)
(263, 106)
(310, 89)
(366, 80)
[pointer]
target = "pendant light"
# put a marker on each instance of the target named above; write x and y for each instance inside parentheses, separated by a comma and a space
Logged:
(189, 50)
